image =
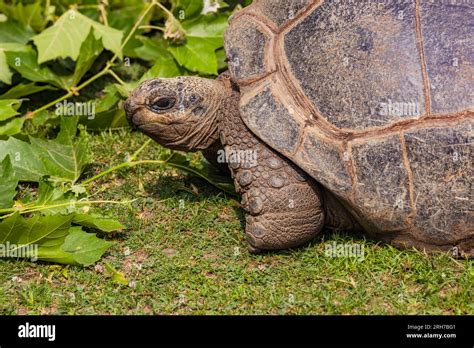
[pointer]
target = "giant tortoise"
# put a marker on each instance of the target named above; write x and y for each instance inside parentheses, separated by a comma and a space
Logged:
(351, 115)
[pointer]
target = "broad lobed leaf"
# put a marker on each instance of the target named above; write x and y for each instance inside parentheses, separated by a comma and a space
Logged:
(65, 37)
(58, 224)
(50, 238)
(62, 159)
(8, 183)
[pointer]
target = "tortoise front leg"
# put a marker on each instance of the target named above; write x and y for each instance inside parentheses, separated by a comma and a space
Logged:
(283, 205)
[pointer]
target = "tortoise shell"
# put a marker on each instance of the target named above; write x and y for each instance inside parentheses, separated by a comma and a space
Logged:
(373, 99)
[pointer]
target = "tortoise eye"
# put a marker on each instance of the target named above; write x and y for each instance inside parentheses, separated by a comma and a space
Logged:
(162, 104)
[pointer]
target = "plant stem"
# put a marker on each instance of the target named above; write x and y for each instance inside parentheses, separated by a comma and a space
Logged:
(110, 170)
(115, 76)
(135, 27)
(52, 206)
(130, 164)
(70, 94)
(47, 106)
(104, 14)
(136, 153)
(123, 165)
(164, 9)
(151, 27)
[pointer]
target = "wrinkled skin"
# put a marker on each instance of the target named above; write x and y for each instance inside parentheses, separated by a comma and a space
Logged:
(178, 113)
(285, 207)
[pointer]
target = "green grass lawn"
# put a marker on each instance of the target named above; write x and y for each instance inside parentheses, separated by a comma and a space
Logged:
(183, 252)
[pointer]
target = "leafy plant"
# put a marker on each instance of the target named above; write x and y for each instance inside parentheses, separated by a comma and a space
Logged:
(61, 207)
(58, 54)
(46, 49)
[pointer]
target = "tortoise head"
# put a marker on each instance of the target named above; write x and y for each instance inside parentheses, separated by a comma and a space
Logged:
(180, 113)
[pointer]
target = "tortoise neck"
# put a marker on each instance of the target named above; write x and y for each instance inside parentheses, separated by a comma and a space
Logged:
(228, 111)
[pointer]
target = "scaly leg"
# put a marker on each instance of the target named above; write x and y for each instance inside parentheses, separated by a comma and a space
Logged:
(283, 204)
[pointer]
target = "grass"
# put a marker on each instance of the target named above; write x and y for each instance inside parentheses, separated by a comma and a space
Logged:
(184, 252)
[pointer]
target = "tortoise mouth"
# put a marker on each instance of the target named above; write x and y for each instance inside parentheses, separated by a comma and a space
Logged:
(168, 135)
(160, 121)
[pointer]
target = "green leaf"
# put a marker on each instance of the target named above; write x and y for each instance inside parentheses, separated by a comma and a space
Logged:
(98, 222)
(208, 27)
(28, 166)
(114, 118)
(204, 36)
(11, 127)
(67, 155)
(39, 237)
(117, 277)
(8, 183)
(30, 15)
(25, 62)
(85, 248)
(186, 9)
(48, 193)
(8, 108)
(78, 190)
(109, 100)
(63, 158)
(162, 68)
(54, 198)
(197, 55)
(90, 50)
(124, 19)
(45, 116)
(127, 88)
(154, 50)
(24, 89)
(201, 169)
(65, 37)
(51, 238)
(5, 73)
(221, 59)
(13, 31)
(111, 38)
(108, 114)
